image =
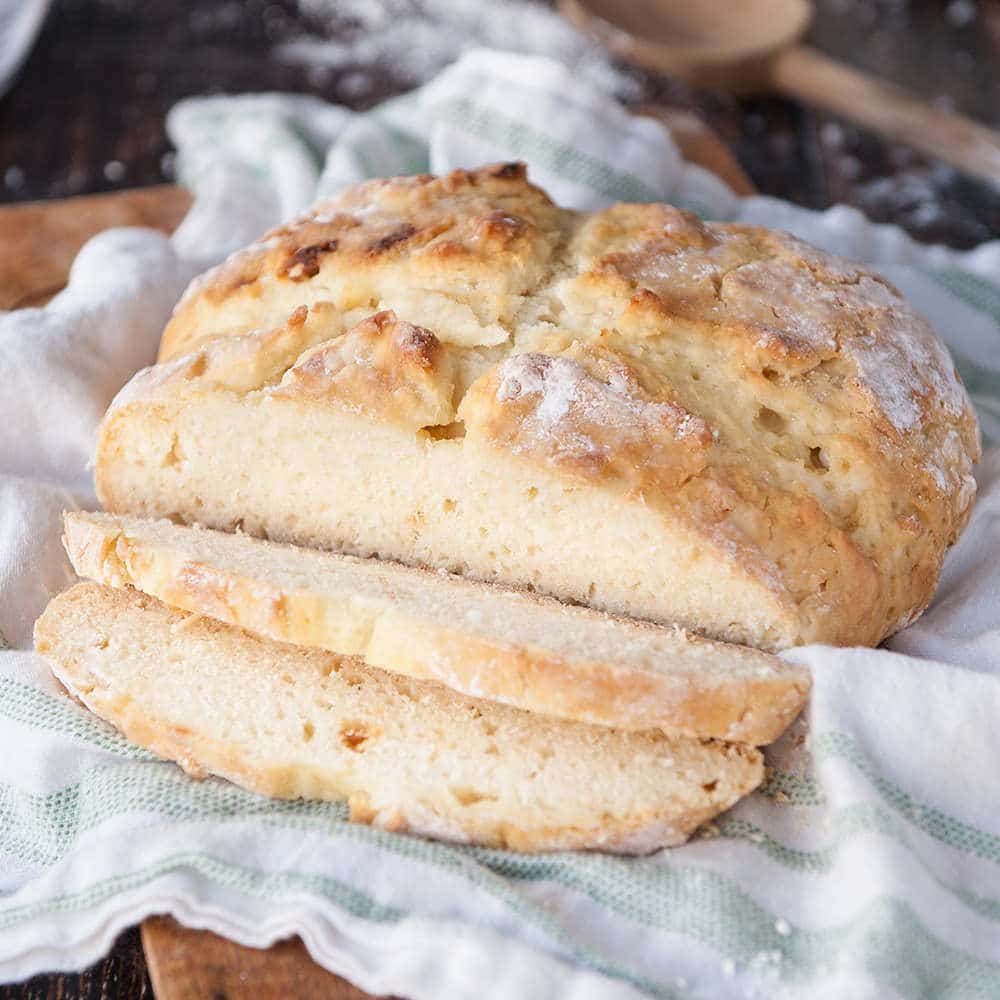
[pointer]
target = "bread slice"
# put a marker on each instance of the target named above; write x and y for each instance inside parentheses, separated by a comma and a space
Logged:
(480, 639)
(408, 755)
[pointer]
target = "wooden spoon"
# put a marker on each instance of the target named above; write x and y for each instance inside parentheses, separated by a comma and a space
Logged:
(753, 46)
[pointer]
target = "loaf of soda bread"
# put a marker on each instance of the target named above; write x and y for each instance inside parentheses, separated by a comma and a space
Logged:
(407, 755)
(480, 639)
(706, 424)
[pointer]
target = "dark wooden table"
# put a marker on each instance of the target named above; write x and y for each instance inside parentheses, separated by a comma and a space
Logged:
(87, 111)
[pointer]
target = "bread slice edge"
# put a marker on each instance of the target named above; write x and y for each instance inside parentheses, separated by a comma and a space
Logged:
(698, 687)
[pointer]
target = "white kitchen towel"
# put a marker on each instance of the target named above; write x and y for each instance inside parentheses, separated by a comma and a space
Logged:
(868, 865)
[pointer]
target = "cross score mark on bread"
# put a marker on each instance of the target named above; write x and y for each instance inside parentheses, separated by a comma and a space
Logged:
(703, 423)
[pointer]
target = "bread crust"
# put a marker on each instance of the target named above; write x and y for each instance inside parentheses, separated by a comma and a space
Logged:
(689, 685)
(81, 634)
(782, 411)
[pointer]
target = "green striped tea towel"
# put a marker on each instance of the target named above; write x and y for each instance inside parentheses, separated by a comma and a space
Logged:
(868, 865)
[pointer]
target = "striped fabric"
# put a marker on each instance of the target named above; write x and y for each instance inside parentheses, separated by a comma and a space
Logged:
(867, 866)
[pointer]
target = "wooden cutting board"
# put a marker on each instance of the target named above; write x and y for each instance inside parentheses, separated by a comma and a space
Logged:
(185, 964)
(39, 239)
(38, 242)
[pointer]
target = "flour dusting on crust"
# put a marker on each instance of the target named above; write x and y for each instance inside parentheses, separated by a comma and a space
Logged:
(579, 417)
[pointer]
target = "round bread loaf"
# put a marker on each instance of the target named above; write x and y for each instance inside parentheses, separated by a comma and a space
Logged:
(702, 423)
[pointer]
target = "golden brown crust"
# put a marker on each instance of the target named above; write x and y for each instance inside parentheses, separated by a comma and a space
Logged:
(783, 405)
(441, 228)
(384, 367)
(586, 412)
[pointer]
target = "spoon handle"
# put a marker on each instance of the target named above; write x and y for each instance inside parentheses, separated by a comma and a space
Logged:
(801, 71)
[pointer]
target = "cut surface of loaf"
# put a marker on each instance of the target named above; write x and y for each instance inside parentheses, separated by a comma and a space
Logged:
(480, 639)
(703, 423)
(407, 755)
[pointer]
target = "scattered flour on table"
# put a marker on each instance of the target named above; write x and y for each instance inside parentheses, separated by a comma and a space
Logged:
(415, 39)
(915, 196)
